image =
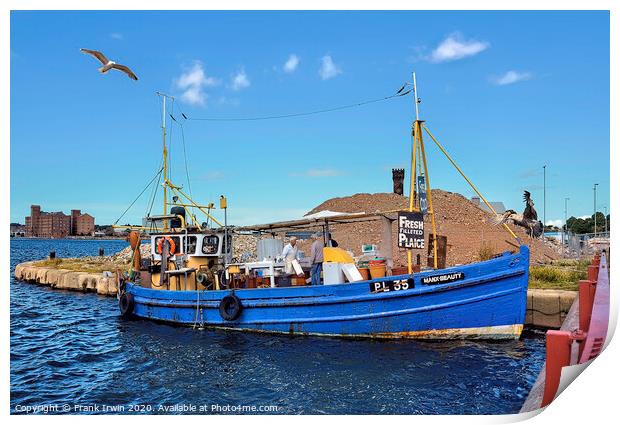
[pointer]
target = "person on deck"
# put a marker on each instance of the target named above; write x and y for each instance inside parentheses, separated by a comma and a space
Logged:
(290, 253)
(316, 259)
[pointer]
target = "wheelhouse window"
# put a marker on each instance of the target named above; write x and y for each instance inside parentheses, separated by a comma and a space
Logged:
(191, 245)
(210, 244)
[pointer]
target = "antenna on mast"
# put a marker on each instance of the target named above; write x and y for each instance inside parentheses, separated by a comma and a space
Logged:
(416, 100)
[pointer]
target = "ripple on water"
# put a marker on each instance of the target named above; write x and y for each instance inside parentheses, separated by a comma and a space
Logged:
(71, 347)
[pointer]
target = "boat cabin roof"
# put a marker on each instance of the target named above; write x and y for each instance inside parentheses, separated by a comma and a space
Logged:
(317, 220)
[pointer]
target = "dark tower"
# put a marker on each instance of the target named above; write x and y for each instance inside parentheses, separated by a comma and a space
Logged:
(74, 216)
(398, 177)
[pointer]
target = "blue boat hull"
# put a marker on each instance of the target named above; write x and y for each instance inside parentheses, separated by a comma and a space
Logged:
(480, 300)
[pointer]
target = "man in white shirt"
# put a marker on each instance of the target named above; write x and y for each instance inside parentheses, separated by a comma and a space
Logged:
(290, 253)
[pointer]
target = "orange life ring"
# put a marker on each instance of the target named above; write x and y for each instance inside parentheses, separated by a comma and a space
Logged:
(170, 241)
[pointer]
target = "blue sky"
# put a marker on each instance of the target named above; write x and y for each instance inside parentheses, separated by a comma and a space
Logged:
(505, 92)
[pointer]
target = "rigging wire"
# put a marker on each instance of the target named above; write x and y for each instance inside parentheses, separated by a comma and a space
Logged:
(154, 192)
(399, 93)
(138, 197)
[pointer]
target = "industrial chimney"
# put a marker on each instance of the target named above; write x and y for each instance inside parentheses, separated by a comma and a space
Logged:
(398, 177)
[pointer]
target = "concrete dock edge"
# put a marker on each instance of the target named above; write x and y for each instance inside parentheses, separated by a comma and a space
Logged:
(66, 279)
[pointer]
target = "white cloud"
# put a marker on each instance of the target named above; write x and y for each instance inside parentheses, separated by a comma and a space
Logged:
(291, 64)
(319, 172)
(556, 223)
(240, 81)
(116, 35)
(455, 47)
(328, 68)
(511, 77)
(193, 82)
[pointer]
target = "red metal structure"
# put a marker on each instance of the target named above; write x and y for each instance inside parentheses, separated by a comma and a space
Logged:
(583, 344)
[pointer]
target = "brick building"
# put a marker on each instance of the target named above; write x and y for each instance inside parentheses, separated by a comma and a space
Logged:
(82, 224)
(57, 224)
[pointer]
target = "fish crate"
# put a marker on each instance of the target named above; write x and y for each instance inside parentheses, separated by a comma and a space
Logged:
(298, 281)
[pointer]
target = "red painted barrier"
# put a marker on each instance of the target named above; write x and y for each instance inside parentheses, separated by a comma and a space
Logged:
(590, 337)
(599, 320)
(559, 344)
(592, 273)
(587, 289)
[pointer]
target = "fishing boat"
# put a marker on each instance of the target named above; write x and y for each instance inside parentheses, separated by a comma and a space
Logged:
(191, 278)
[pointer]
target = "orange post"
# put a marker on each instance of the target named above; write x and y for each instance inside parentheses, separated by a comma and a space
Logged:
(558, 356)
(593, 273)
(587, 289)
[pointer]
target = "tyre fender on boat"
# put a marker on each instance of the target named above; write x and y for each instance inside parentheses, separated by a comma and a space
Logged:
(126, 304)
(230, 307)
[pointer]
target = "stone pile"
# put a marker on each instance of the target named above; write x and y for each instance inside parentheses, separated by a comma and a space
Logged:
(126, 254)
(244, 247)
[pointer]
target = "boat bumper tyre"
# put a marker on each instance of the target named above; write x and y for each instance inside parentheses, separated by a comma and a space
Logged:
(230, 307)
(126, 304)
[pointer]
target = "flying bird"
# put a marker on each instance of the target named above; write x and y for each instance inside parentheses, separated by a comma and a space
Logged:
(108, 64)
(528, 220)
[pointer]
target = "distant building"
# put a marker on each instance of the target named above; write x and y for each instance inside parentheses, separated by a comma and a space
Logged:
(499, 207)
(57, 225)
(82, 224)
(18, 230)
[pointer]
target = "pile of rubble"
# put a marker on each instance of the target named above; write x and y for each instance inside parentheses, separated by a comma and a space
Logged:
(244, 248)
(469, 229)
(125, 255)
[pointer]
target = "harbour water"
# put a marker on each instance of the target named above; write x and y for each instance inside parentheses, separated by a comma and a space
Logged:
(73, 351)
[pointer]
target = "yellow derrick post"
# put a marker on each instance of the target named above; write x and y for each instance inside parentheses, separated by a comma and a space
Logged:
(428, 192)
(469, 181)
(414, 157)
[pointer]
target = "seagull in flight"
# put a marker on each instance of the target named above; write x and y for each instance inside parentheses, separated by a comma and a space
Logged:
(108, 64)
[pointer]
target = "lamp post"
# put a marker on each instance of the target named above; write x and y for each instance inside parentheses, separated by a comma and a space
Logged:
(595, 184)
(605, 219)
(544, 200)
(565, 229)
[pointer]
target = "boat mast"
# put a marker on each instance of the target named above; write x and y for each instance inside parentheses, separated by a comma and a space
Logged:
(418, 150)
(167, 184)
(164, 97)
(164, 152)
